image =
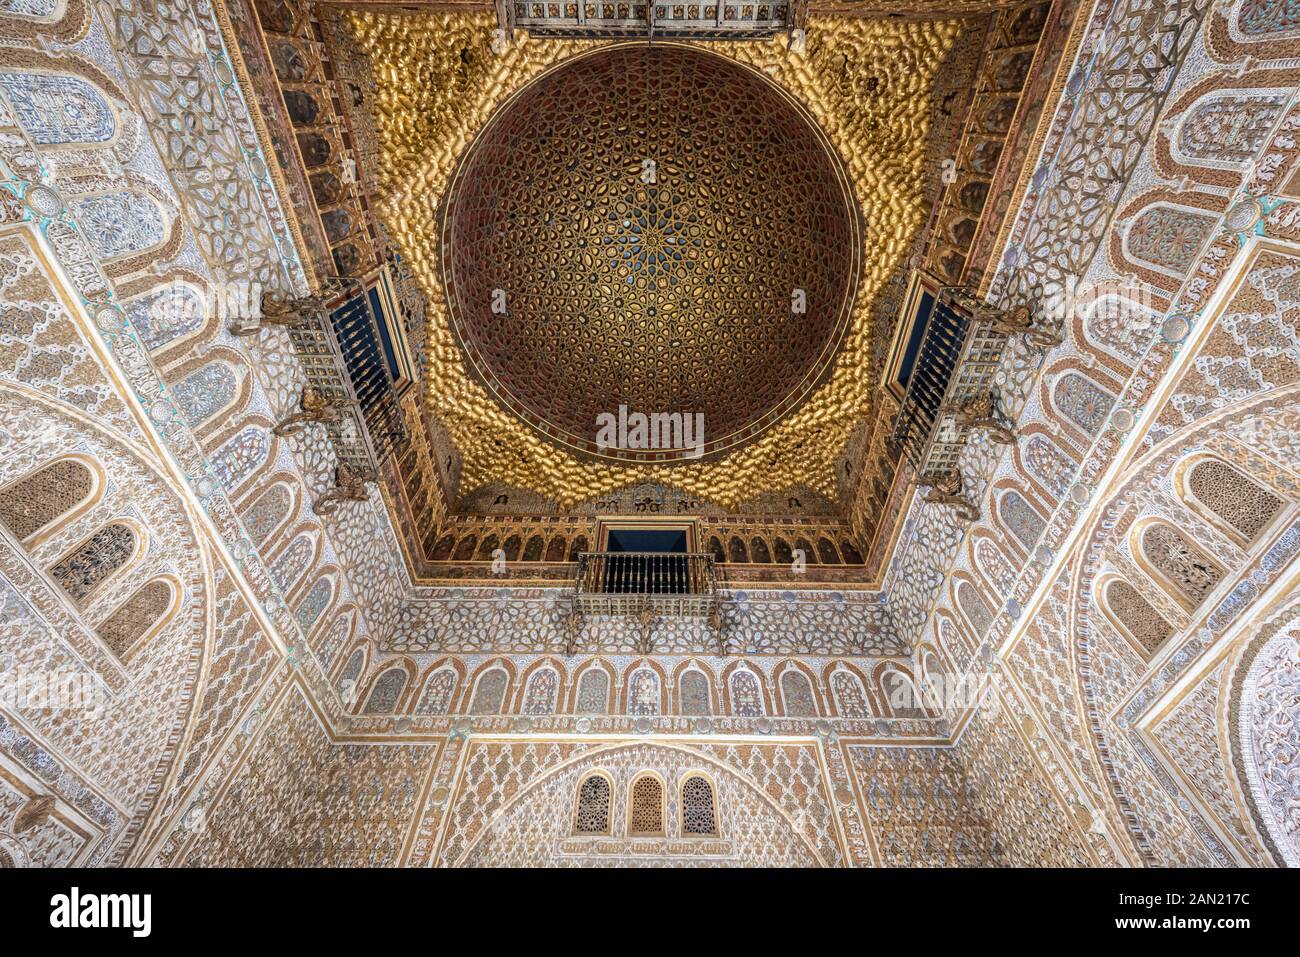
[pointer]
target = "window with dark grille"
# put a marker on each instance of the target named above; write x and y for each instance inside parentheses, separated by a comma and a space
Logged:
(592, 816)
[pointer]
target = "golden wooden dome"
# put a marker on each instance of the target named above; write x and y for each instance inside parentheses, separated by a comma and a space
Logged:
(653, 227)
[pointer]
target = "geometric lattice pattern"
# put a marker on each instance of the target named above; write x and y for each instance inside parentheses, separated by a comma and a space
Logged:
(647, 814)
(94, 560)
(1181, 562)
(33, 502)
(697, 806)
(592, 814)
(220, 746)
(877, 116)
(633, 226)
(1137, 616)
(135, 616)
(1245, 505)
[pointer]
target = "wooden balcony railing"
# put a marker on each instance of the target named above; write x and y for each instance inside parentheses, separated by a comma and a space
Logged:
(952, 391)
(350, 389)
(587, 19)
(640, 583)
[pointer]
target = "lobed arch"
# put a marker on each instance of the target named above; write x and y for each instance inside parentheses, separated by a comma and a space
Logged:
(691, 666)
(738, 673)
(439, 687)
(583, 697)
(384, 687)
(797, 670)
(489, 689)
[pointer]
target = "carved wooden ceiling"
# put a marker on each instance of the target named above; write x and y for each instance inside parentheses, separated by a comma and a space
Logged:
(907, 111)
(869, 91)
(655, 227)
